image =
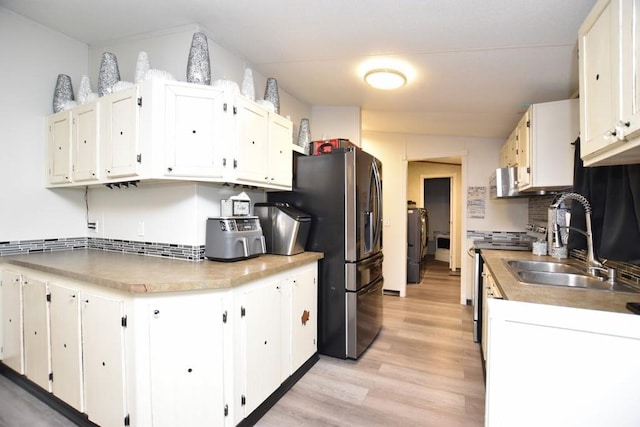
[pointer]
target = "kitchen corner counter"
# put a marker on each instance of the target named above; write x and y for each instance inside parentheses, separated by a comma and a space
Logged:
(514, 290)
(139, 274)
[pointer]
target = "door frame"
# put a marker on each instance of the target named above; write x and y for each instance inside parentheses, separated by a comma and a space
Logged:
(453, 213)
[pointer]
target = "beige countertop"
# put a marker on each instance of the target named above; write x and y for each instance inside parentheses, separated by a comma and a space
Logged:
(146, 274)
(514, 290)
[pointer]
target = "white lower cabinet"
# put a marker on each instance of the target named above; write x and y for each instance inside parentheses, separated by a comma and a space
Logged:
(278, 333)
(304, 318)
(186, 356)
(103, 354)
(559, 366)
(37, 357)
(13, 345)
(193, 358)
(66, 345)
(260, 308)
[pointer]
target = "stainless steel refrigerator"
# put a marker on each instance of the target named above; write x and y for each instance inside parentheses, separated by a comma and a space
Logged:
(342, 191)
(417, 232)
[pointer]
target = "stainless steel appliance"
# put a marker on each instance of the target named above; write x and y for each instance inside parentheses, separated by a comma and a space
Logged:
(478, 267)
(233, 238)
(503, 183)
(417, 239)
(342, 191)
(284, 227)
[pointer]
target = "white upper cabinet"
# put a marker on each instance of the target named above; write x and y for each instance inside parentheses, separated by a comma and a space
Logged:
(121, 133)
(541, 146)
(248, 162)
(59, 148)
(194, 119)
(170, 130)
(262, 153)
(280, 153)
(85, 142)
(609, 95)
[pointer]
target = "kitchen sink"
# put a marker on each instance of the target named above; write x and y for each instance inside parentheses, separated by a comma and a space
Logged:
(560, 274)
(570, 280)
(548, 266)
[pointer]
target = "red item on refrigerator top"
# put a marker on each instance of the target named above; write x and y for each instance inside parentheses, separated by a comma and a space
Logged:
(328, 145)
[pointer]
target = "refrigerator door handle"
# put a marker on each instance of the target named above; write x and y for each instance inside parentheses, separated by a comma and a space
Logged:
(378, 184)
(373, 229)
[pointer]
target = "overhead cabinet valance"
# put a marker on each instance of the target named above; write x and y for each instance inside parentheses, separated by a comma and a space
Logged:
(168, 130)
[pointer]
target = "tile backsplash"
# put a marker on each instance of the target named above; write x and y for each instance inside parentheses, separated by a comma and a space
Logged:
(186, 252)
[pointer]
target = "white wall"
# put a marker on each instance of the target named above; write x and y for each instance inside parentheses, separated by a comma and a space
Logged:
(169, 51)
(32, 58)
(331, 122)
(173, 213)
(479, 158)
(390, 149)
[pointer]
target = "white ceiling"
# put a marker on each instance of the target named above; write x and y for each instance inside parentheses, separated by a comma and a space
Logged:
(473, 65)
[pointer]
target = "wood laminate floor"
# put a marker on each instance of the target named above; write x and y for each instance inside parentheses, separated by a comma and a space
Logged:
(423, 370)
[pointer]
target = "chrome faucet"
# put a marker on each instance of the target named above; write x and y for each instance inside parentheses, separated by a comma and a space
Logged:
(595, 268)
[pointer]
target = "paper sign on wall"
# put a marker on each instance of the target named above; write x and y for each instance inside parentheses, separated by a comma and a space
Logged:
(476, 202)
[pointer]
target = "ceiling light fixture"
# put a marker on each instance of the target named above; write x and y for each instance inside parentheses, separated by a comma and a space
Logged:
(385, 78)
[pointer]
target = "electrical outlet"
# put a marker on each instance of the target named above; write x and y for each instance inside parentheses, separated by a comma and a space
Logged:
(93, 226)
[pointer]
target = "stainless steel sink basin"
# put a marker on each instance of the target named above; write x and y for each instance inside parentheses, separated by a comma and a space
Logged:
(565, 274)
(548, 266)
(570, 280)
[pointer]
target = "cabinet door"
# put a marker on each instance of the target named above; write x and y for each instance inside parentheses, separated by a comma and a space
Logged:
(280, 151)
(630, 68)
(487, 283)
(59, 148)
(195, 130)
(512, 159)
(37, 360)
(185, 363)
(598, 108)
(13, 345)
(66, 349)
(250, 163)
(262, 335)
(522, 150)
(121, 133)
(103, 360)
(304, 318)
(86, 135)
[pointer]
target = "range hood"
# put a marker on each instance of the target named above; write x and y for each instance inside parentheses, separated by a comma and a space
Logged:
(503, 184)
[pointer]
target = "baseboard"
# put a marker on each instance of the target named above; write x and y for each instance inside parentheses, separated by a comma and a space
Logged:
(259, 412)
(47, 398)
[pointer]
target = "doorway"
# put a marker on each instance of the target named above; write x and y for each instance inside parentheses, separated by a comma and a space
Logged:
(437, 202)
(451, 169)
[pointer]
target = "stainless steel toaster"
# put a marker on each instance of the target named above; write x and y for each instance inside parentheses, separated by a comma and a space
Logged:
(234, 238)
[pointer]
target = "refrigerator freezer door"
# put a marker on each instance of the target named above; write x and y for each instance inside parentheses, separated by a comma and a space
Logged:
(360, 274)
(364, 318)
